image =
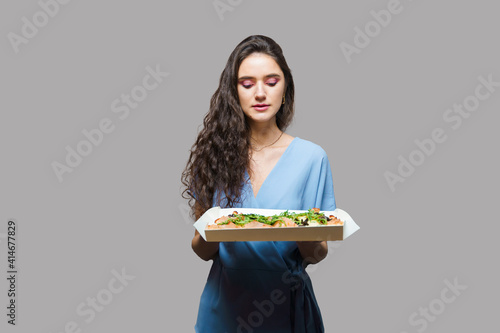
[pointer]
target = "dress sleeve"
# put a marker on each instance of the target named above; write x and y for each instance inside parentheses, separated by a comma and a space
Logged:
(325, 198)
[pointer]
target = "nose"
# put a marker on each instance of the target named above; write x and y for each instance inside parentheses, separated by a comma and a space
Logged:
(260, 93)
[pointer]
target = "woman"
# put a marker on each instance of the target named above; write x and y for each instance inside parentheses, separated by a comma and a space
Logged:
(243, 158)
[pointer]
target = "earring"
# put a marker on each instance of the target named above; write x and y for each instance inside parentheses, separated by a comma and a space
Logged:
(283, 100)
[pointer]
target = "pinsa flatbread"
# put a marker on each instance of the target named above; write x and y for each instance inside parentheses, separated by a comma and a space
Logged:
(313, 217)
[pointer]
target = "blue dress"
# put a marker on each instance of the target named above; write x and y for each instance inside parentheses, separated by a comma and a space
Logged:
(263, 286)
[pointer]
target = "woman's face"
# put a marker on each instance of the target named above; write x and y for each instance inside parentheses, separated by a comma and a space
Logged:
(261, 85)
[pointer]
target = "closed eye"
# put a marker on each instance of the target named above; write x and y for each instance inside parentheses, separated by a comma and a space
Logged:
(246, 84)
(272, 82)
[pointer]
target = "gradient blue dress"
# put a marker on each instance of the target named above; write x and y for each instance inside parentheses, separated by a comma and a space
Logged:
(263, 286)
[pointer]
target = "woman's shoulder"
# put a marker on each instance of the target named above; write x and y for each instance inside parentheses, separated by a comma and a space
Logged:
(309, 148)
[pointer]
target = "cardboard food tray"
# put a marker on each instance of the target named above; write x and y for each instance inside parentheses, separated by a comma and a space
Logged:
(306, 233)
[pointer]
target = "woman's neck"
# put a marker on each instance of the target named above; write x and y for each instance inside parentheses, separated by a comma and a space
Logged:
(264, 134)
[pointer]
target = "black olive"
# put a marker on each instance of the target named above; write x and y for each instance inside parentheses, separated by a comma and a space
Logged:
(328, 219)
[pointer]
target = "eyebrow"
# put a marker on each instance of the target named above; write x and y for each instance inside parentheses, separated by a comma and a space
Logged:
(251, 77)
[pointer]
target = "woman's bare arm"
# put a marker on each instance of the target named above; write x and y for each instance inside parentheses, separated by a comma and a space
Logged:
(313, 252)
(205, 250)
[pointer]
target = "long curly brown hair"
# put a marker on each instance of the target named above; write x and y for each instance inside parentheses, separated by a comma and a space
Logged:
(220, 156)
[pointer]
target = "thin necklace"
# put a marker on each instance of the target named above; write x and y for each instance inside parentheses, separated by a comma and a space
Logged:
(253, 147)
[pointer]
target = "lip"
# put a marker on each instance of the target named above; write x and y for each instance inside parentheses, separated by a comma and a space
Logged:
(261, 107)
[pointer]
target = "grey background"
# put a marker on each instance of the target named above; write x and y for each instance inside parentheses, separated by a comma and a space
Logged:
(121, 207)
